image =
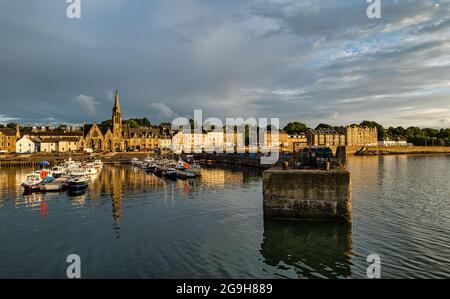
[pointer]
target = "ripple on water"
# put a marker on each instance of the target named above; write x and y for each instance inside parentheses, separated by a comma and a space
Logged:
(130, 224)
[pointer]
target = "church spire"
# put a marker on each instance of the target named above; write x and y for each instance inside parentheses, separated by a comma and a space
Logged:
(117, 103)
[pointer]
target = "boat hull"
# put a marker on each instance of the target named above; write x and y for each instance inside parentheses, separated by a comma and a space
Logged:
(74, 186)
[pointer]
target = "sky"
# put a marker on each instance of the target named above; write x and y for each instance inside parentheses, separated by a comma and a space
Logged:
(307, 60)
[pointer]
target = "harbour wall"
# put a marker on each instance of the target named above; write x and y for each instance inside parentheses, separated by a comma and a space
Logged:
(232, 160)
(395, 150)
(308, 195)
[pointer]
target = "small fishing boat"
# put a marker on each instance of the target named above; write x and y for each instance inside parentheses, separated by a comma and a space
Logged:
(159, 170)
(46, 175)
(170, 173)
(195, 168)
(90, 169)
(33, 182)
(58, 171)
(98, 164)
(149, 160)
(181, 165)
(152, 167)
(78, 181)
(181, 174)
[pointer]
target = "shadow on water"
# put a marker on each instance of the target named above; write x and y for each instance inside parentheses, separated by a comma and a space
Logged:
(309, 250)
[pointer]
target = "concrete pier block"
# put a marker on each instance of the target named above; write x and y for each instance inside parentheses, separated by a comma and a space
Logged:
(314, 195)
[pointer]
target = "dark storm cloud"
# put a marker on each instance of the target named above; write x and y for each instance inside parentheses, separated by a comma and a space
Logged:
(316, 61)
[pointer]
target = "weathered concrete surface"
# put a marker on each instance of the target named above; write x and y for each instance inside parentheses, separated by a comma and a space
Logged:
(314, 195)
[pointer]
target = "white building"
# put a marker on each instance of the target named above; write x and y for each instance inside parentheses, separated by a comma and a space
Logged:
(394, 143)
(214, 141)
(27, 144)
(165, 142)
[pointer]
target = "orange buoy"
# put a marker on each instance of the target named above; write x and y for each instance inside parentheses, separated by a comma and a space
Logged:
(44, 174)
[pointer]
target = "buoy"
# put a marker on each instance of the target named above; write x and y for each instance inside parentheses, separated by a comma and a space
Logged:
(44, 174)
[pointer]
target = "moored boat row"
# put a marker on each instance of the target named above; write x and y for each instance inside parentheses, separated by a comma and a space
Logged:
(70, 175)
(169, 169)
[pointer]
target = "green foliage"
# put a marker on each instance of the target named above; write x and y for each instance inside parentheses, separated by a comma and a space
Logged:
(138, 122)
(324, 126)
(12, 125)
(418, 136)
(107, 123)
(372, 124)
(295, 128)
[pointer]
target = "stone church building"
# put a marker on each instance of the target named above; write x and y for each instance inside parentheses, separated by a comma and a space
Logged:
(119, 136)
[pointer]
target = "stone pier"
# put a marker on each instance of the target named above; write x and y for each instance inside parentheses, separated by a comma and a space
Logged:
(310, 195)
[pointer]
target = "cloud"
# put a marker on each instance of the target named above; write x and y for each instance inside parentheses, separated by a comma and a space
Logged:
(5, 119)
(162, 109)
(87, 103)
(313, 61)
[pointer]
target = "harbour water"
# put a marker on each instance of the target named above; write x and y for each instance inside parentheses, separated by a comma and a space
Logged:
(132, 225)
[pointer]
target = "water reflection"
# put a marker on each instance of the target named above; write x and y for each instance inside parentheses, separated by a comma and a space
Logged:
(310, 250)
(213, 226)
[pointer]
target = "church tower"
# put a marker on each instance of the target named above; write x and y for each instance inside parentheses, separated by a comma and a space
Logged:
(117, 121)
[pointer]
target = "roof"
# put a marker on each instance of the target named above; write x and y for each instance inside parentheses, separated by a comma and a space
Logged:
(74, 133)
(8, 131)
(103, 128)
(143, 132)
(32, 139)
(87, 128)
(60, 139)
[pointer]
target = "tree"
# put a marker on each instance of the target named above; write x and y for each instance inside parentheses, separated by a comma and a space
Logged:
(380, 129)
(12, 125)
(132, 123)
(107, 123)
(146, 123)
(137, 122)
(61, 129)
(295, 128)
(324, 126)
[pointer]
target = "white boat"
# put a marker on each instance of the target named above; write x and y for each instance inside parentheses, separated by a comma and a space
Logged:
(98, 165)
(181, 165)
(45, 174)
(170, 173)
(32, 182)
(152, 167)
(58, 171)
(195, 168)
(90, 169)
(134, 161)
(149, 160)
(78, 181)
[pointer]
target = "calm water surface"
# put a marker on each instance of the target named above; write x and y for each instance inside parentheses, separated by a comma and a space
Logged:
(132, 225)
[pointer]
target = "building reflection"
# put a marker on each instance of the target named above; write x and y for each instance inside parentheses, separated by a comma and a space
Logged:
(311, 250)
(220, 178)
(10, 180)
(115, 181)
